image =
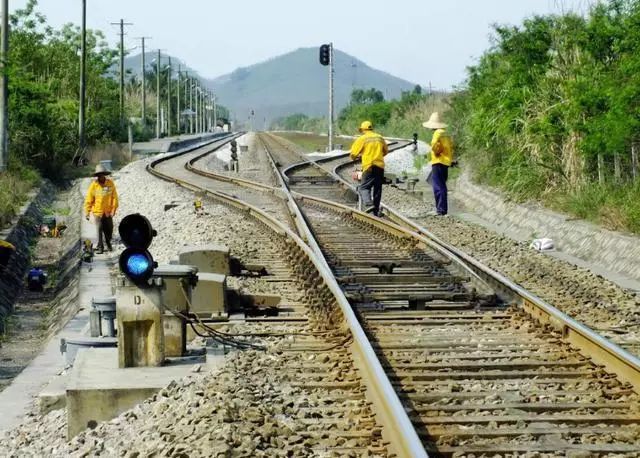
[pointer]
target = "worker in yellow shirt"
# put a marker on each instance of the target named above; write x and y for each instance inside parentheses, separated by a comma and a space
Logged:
(102, 201)
(372, 148)
(441, 159)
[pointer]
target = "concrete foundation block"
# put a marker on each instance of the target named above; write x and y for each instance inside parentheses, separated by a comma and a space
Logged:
(54, 395)
(209, 295)
(140, 329)
(98, 390)
(207, 258)
(175, 335)
(95, 323)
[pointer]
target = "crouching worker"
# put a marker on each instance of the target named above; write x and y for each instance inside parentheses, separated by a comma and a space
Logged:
(441, 159)
(102, 201)
(372, 148)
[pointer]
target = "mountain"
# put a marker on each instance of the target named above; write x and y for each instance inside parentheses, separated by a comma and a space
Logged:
(133, 63)
(296, 83)
(291, 83)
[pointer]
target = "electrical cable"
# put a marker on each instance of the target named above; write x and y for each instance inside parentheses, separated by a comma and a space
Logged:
(263, 334)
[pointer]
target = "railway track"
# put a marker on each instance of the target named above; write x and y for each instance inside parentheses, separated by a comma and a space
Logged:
(476, 374)
(481, 367)
(332, 414)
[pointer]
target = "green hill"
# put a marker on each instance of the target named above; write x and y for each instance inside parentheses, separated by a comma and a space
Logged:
(291, 83)
(296, 83)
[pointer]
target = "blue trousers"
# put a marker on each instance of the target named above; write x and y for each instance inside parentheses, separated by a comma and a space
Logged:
(370, 188)
(439, 175)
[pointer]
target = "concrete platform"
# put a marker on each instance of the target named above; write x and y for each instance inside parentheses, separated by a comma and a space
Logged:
(98, 390)
(95, 280)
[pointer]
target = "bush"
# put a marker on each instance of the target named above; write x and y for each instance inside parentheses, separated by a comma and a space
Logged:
(549, 98)
(15, 184)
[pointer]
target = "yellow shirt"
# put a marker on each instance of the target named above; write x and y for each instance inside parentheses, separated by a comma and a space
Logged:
(441, 148)
(101, 198)
(372, 147)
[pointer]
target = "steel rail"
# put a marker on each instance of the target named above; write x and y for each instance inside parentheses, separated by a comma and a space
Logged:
(397, 427)
(604, 352)
(616, 360)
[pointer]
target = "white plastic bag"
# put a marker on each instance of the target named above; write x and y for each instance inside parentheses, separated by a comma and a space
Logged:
(544, 244)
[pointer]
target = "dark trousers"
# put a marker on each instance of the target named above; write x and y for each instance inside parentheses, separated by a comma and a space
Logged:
(105, 226)
(370, 189)
(439, 175)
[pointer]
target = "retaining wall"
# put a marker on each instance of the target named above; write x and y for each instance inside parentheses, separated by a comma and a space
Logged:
(614, 251)
(21, 234)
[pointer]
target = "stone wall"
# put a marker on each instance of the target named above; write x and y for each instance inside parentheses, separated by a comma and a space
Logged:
(614, 251)
(21, 234)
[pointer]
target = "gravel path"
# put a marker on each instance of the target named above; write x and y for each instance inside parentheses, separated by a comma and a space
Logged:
(254, 164)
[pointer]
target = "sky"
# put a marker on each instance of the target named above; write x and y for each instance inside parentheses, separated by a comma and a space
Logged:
(423, 41)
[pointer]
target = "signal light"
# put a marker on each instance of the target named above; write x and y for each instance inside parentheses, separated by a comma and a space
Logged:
(135, 261)
(325, 55)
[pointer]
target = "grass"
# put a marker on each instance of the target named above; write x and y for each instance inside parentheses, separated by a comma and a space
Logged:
(613, 206)
(15, 184)
(55, 211)
(314, 142)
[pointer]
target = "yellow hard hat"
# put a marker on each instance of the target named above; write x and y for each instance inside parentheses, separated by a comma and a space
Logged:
(366, 125)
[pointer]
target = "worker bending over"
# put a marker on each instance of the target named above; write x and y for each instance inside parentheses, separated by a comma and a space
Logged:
(102, 201)
(372, 148)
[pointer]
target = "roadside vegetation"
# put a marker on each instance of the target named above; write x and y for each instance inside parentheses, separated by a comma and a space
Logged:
(394, 118)
(44, 83)
(550, 112)
(43, 68)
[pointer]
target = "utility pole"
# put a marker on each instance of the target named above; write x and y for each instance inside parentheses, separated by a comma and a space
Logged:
(197, 89)
(203, 109)
(144, 86)
(122, 24)
(331, 97)
(191, 105)
(215, 112)
(83, 79)
(178, 104)
(4, 88)
(158, 95)
(169, 99)
(207, 112)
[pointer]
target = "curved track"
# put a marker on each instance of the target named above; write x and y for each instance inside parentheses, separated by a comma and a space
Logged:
(481, 366)
(339, 416)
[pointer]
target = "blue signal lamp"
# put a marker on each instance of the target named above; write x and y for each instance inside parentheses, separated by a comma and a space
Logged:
(135, 261)
(138, 265)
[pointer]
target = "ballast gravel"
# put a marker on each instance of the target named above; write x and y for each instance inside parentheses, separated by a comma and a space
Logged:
(599, 303)
(250, 408)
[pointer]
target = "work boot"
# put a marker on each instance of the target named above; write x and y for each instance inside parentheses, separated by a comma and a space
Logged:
(99, 250)
(109, 247)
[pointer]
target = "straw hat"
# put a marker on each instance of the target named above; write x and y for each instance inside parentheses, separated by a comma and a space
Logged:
(434, 122)
(101, 170)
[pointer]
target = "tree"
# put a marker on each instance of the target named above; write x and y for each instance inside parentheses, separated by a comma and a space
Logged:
(44, 86)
